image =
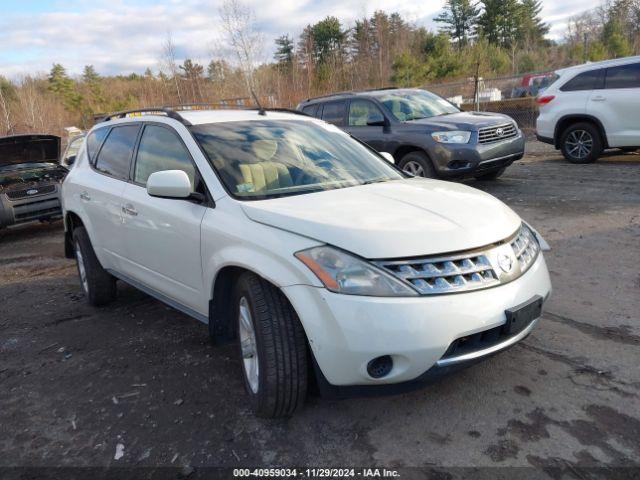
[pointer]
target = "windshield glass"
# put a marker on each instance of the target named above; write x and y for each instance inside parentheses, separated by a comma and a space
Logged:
(273, 158)
(407, 105)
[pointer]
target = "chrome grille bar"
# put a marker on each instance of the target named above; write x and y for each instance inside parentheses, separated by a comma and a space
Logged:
(496, 133)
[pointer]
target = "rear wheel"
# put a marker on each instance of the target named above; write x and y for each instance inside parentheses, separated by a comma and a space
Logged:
(581, 143)
(491, 175)
(418, 165)
(273, 348)
(98, 285)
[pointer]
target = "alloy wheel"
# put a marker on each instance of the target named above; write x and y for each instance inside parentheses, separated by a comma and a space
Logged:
(82, 271)
(579, 144)
(414, 168)
(248, 345)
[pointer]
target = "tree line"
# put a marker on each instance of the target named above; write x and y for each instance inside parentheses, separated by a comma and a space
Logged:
(490, 37)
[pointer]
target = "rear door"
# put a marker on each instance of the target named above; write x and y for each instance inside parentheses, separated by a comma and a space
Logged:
(334, 112)
(618, 105)
(366, 122)
(576, 93)
(162, 236)
(101, 193)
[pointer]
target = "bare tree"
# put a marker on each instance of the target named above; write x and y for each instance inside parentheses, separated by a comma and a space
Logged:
(31, 104)
(5, 108)
(238, 22)
(169, 57)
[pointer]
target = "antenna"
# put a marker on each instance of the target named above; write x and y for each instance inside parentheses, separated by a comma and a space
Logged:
(261, 110)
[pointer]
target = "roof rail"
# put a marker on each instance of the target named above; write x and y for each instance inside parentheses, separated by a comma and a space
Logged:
(173, 111)
(350, 92)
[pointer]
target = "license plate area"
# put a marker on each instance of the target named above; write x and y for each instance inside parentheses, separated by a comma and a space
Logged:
(521, 316)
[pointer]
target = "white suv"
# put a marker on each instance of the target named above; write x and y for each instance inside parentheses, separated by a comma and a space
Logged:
(323, 260)
(592, 107)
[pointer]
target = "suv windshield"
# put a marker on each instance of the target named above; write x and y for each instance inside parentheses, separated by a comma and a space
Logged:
(407, 105)
(274, 158)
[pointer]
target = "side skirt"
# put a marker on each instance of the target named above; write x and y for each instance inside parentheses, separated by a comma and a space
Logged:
(159, 296)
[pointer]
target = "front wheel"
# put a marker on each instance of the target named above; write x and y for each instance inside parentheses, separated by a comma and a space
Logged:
(273, 348)
(581, 143)
(417, 164)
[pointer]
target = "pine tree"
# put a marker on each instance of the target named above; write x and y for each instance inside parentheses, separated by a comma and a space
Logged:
(284, 50)
(532, 28)
(460, 20)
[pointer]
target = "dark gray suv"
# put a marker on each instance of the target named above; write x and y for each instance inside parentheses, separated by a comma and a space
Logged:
(427, 135)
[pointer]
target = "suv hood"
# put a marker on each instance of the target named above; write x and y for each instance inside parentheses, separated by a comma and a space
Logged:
(463, 120)
(26, 149)
(396, 219)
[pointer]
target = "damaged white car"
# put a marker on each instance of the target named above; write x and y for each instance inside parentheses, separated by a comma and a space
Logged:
(325, 262)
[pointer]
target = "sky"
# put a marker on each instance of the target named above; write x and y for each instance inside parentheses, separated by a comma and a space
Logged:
(124, 36)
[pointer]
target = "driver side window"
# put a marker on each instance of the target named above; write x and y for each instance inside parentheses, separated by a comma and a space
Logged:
(363, 112)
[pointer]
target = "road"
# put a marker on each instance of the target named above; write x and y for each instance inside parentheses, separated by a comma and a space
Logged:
(77, 381)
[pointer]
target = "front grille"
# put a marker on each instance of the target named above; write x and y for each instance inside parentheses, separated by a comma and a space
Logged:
(45, 208)
(35, 191)
(526, 248)
(468, 271)
(497, 133)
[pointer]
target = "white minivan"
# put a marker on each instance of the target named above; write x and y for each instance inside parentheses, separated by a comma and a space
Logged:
(591, 107)
(323, 260)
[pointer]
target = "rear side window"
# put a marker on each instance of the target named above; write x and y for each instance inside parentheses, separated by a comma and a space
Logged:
(94, 140)
(334, 112)
(624, 76)
(591, 80)
(161, 149)
(115, 155)
(310, 110)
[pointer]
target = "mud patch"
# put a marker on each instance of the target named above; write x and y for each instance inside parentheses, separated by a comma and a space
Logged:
(502, 450)
(622, 334)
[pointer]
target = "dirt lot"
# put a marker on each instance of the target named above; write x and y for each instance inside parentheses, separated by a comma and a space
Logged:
(76, 381)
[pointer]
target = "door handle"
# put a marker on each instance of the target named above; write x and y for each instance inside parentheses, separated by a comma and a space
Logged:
(85, 196)
(598, 99)
(129, 210)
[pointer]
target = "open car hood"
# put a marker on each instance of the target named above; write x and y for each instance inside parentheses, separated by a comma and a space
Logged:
(397, 219)
(25, 149)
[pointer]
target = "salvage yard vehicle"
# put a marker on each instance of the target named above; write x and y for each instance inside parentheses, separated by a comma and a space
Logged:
(30, 179)
(324, 261)
(427, 135)
(592, 107)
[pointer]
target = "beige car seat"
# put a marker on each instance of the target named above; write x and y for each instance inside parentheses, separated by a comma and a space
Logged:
(265, 173)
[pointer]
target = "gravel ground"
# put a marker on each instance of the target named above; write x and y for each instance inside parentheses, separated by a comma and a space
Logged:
(76, 382)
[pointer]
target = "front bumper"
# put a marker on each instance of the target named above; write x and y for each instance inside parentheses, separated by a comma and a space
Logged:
(475, 158)
(30, 208)
(346, 332)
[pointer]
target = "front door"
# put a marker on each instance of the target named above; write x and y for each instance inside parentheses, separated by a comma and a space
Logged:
(163, 235)
(367, 123)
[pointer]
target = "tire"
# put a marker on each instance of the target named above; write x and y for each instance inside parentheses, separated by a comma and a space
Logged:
(274, 355)
(581, 143)
(98, 285)
(494, 174)
(418, 164)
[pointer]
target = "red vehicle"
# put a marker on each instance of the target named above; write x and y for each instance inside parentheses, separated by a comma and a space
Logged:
(532, 84)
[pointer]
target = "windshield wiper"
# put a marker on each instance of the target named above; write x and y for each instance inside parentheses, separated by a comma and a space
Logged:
(376, 180)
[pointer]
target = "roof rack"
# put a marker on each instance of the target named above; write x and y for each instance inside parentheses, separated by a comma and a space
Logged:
(173, 111)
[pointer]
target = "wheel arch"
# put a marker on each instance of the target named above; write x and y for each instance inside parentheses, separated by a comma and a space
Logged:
(403, 150)
(568, 120)
(71, 221)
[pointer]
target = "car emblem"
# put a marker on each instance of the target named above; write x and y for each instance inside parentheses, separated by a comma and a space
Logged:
(505, 262)
(32, 192)
(500, 131)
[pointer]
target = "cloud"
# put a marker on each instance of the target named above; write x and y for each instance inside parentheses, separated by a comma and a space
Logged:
(121, 37)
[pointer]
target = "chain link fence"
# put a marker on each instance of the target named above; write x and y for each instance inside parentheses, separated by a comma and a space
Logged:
(513, 96)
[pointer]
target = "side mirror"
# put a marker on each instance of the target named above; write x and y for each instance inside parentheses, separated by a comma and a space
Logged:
(169, 184)
(376, 121)
(70, 160)
(388, 157)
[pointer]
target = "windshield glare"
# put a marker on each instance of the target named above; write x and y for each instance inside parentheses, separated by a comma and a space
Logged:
(262, 159)
(407, 105)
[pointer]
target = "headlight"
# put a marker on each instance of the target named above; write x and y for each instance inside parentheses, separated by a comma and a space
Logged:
(454, 136)
(344, 273)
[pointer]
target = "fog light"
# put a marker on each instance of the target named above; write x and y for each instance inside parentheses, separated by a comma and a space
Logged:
(455, 164)
(379, 367)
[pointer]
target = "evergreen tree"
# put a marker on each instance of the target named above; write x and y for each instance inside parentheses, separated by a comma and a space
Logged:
(460, 20)
(284, 50)
(532, 28)
(64, 87)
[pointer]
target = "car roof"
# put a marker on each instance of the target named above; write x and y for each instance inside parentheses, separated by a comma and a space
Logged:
(602, 64)
(374, 92)
(203, 116)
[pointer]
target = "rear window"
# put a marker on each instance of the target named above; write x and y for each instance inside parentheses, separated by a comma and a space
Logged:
(624, 76)
(94, 140)
(115, 155)
(334, 112)
(591, 80)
